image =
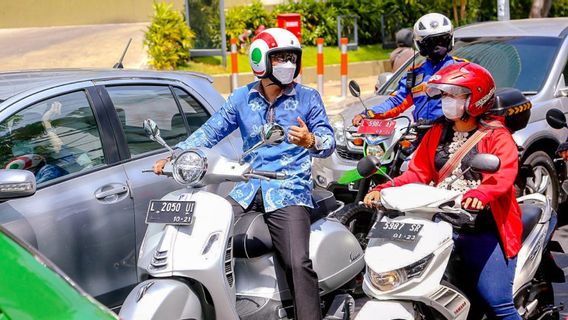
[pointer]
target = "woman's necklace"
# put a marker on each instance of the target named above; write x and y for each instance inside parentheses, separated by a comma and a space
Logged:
(461, 184)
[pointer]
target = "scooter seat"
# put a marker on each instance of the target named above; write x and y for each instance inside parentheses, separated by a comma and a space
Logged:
(324, 204)
(251, 236)
(530, 215)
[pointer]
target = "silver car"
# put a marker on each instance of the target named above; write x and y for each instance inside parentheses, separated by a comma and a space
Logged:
(529, 55)
(80, 132)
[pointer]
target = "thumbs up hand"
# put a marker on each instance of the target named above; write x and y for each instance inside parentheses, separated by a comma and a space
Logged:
(301, 136)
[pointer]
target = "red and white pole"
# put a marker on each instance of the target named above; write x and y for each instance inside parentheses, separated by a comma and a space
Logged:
(344, 42)
(320, 65)
(234, 65)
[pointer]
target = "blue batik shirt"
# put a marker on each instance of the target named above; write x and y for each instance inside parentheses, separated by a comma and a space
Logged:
(249, 111)
(425, 108)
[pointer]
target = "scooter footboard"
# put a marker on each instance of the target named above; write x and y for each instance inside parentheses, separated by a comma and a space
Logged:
(386, 310)
(161, 299)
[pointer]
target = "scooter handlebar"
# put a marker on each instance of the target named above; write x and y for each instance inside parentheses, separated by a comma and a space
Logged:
(270, 174)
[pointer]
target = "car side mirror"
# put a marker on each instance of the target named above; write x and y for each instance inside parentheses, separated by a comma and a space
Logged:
(556, 118)
(561, 87)
(383, 78)
(15, 183)
(485, 163)
(354, 88)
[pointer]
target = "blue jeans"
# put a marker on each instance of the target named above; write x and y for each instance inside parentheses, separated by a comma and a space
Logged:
(488, 274)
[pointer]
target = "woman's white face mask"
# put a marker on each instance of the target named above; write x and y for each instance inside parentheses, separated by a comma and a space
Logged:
(453, 107)
(284, 72)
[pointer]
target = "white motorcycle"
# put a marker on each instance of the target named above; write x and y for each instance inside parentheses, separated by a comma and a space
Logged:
(199, 266)
(409, 256)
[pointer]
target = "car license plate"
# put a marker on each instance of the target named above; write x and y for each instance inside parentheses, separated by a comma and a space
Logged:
(393, 230)
(170, 212)
(377, 127)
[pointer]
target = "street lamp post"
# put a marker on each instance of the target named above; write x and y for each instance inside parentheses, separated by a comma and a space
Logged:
(503, 12)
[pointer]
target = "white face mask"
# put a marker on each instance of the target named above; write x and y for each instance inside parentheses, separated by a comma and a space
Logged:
(453, 108)
(284, 72)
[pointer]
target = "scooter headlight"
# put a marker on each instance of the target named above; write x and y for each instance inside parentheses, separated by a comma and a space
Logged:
(386, 281)
(190, 167)
(375, 150)
(338, 124)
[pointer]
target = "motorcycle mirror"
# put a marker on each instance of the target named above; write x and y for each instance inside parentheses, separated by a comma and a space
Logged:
(485, 162)
(368, 166)
(151, 129)
(153, 132)
(354, 88)
(556, 118)
(273, 134)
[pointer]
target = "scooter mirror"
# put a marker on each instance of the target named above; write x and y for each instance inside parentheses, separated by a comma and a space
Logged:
(556, 119)
(368, 166)
(273, 134)
(354, 88)
(486, 163)
(151, 129)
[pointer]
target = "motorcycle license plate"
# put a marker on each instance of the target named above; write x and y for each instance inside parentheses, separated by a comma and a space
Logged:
(398, 231)
(376, 127)
(170, 212)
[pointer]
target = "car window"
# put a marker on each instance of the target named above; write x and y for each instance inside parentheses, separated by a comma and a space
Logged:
(194, 112)
(511, 60)
(52, 138)
(136, 103)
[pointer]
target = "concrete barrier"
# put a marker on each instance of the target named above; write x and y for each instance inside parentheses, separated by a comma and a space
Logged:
(222, 82)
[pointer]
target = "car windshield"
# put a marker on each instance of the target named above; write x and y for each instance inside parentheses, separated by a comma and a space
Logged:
(511, 60)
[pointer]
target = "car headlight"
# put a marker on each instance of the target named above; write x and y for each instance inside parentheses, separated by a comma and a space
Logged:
(386, 281)
(374, 150)
(338, 124)
(190, 167)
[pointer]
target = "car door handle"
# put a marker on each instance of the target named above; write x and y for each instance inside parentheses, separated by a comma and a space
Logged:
(113, 191)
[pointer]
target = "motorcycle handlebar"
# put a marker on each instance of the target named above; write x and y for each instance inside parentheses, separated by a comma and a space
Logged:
(270, 174)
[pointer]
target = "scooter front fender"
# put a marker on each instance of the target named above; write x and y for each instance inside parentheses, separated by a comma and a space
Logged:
(161, 299)
(386, 310)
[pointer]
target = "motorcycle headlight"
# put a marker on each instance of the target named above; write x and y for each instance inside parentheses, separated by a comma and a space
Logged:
(375, 150)
(386, 281)
(190, 167)
(338, 124)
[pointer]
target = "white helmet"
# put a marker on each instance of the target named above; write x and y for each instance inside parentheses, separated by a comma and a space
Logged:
(270, 42)
(434, 35)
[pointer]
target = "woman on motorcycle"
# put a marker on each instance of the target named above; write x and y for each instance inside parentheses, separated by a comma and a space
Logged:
(489, 247)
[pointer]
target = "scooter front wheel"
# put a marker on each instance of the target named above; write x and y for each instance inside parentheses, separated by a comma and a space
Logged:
(358, 219)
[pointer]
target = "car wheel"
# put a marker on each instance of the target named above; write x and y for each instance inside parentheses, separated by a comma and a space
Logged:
(544, 178)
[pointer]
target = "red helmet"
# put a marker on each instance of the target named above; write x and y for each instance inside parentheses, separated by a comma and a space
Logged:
(465, 78)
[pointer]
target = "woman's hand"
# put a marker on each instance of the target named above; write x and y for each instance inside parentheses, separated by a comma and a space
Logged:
(372, 199)
(159, 166)
(471, 203)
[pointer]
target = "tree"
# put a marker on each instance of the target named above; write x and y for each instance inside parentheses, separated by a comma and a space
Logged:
(540, 8)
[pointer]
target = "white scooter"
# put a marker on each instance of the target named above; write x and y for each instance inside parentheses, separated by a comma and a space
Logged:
(199, 266)
(409, 256)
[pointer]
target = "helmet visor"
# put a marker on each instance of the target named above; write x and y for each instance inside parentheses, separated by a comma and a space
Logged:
(435, 90)
(442, 40)
(283, 57)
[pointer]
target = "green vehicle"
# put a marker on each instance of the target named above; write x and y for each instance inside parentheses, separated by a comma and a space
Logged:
(31, 287)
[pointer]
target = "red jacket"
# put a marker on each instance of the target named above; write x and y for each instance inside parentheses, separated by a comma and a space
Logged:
(497, 188)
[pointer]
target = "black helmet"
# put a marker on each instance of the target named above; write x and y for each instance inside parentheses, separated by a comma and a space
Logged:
(404, 37)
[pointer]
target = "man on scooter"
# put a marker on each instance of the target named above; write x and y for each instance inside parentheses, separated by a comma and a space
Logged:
(433, 37)
(488, 246)
(562, 150)
(275, 57)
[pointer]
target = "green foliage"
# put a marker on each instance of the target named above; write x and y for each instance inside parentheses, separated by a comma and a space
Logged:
(168, 38)
(318, 20)
(248, 17)
(204, 21)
